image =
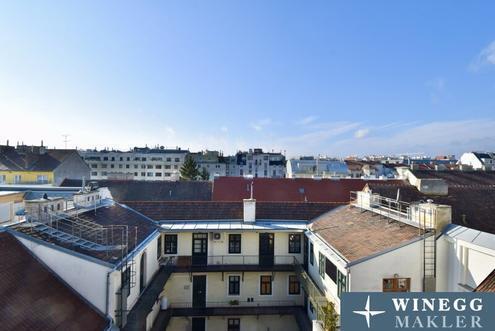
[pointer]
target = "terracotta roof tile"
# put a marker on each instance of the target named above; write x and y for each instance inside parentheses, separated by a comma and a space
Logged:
(208, 210)
(357, 234)
(287, 189)
(488, 284)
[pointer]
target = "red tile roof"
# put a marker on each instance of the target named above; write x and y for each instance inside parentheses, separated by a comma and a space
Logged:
(287, 189)
(487, 285)
(218, 210)
(357, 234)
(33, 298)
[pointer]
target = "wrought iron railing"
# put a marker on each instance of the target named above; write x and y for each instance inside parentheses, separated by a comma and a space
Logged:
(234, 259)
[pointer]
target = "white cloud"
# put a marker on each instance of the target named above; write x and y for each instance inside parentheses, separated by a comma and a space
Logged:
(485, 58)
(437, 89)
(224, 129)
(307, 120)
(261, 124)
(361, 133)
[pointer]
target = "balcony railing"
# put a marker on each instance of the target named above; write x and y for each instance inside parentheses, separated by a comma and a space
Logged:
(228, 260)
(238, 303)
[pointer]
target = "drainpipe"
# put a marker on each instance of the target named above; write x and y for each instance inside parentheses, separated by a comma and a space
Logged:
(107, 298)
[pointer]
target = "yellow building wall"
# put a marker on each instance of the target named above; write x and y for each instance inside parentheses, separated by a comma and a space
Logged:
(27, 177)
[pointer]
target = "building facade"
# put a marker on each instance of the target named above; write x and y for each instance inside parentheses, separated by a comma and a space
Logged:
(40, 165)
(478, 160)
(310, 167)
(150, 164)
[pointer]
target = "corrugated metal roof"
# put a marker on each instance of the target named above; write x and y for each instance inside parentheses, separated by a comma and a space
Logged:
(234, 225)
(475, 237)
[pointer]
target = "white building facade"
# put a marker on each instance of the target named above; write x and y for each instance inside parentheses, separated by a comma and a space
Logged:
(152, 164)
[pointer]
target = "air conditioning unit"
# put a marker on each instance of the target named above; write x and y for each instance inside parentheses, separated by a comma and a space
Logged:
(216, 236)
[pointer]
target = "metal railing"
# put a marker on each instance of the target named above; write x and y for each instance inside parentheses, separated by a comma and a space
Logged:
(411, 214)
(211, 260)
(238, 303)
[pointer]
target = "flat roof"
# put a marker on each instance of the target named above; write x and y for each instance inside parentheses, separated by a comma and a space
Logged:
(475, 237)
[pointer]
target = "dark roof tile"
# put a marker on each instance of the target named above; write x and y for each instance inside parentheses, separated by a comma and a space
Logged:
(33, 298)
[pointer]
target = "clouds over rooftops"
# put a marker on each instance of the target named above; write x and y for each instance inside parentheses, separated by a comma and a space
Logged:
(484, 59)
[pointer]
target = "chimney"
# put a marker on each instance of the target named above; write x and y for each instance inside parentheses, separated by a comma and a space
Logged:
(249, 210)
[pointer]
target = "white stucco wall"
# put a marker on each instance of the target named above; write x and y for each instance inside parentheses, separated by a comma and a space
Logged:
(86, 277)
(464, 265)
(406, 262)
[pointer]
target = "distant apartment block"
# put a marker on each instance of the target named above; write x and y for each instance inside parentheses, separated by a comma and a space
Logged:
(478, 160)
(138, 164)
(254, 162)
(24, 164)
(311, 167)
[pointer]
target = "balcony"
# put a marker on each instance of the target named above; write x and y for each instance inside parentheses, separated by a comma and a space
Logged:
(221, 263)
(269, 307)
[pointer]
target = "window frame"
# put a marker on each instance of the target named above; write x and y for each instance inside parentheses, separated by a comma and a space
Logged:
(396, 284)
(321, 264)
(159, 247)
(311, 254)
(341, 283)
(235, 326)
(292, 282)
(295, 246)
(168, 243)
(235, 239)
(264, 284)
(237, 285)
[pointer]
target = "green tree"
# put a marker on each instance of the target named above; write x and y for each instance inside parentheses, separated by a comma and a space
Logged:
(204, 174)
(189, 170)
(330, 317)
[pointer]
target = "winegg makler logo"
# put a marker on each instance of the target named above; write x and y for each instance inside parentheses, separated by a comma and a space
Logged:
(367, 313)
(396, 311)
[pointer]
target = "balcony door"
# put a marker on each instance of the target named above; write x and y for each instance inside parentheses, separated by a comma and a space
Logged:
(267, 241)
(199, 292)
(200, 249)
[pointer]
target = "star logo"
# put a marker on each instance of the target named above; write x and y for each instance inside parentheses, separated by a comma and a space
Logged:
(367, 313)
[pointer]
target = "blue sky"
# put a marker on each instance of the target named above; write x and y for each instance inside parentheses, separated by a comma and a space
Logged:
(328, 77)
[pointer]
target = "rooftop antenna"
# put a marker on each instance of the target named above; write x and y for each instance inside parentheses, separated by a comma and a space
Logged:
(66, 139)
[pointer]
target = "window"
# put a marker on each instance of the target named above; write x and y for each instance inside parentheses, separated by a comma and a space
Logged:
(234, 324)
(321, 265)
(234, 243)
(105, 158)
(94, 165)
(127, 166)
(177, 159)
(120, 166)
(168, 174)
(331, 270)
(143, 174)
(294, 286)
(234, 285)
(149, 166)
(158, 174)
(104, 166)
(126, 280)
(169, 159)
(265, 285)
(159, 247)
(104, 173)
(294, 243)
(170, 244)
(396, 284)
(341, 283)
(135, 166)
(167, 166)
(121, 158)
(158, 166)
(311, 254)
(112, 166)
